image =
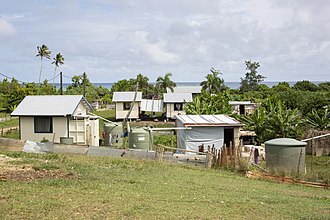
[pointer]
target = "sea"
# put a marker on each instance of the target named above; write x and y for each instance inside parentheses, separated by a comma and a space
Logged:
(232, 85)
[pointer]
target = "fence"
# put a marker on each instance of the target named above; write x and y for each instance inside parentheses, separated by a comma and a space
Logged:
(4, 131)
(224, 157)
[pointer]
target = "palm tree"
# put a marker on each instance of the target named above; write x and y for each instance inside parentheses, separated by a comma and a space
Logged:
(142, 80)
(43, 51)
(213, 83)
(144, 86)
(58, 60)
(165, 82)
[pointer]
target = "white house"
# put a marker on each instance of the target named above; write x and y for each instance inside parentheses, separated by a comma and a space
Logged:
(217, 130)
(124, 101)
(175, 103)
(243, 107)
(55, 117)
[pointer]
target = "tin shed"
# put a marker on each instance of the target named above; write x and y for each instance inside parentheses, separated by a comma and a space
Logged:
(217, 130)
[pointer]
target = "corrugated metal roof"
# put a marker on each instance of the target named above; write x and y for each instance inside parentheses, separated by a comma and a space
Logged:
(177, 97)
(126, 96)
(185, 89)
(208, 120)
(150, 105)
(49, 105)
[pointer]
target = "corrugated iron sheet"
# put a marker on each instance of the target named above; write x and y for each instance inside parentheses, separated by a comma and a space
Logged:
(208, 120)
(49, 105)
(126, 96)
(177, 97)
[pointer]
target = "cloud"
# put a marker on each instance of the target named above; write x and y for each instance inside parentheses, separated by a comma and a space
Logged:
(120, 38)
(6, 28)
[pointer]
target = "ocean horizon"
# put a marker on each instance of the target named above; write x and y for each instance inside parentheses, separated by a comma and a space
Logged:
(232, 85)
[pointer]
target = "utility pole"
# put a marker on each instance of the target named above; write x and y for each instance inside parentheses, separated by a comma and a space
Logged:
(61, 84)
(84, 83)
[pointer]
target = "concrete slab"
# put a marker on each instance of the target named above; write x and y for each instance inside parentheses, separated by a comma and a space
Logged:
(114, 152)
(69, 149)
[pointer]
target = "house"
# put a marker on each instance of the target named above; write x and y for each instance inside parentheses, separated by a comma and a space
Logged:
(54, 117)
(194, 90)
(96, 104)
(243, 107)
(217, 130)
(123, 102)
(175, 103)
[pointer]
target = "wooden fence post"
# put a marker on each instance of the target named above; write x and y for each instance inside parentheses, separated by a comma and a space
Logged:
(209, 158)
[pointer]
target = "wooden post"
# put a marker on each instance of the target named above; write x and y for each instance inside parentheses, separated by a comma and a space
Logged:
(219, 158)
(225, 156)
(299, 161)
(209, 158)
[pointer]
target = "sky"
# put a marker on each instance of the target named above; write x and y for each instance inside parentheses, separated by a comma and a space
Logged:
(112, 40)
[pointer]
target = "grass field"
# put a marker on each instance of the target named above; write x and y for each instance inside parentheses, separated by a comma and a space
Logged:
(52, 186)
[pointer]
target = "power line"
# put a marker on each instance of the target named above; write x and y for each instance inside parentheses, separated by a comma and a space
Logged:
(52, 78)
(8, 77)
(69, 77)
(11, 78)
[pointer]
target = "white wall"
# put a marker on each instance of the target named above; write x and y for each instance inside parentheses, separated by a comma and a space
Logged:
(171, 113)
(81, 109)
(27, 130)
(121, 113)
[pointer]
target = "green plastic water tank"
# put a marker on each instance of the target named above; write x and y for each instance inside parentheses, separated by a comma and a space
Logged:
(139, 138)
(285, 154)
(113, 134)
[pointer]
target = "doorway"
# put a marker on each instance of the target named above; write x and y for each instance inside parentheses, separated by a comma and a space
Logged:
(228, 136)
(242, 109)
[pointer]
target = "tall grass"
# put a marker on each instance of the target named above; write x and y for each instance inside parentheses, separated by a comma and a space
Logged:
(107, 188)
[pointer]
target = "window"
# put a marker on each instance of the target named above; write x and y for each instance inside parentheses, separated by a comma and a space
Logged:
(127, 105)
(178, 106)
(43, 125)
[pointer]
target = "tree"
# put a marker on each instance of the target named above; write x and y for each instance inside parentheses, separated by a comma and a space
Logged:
(325, 86)
(319, 119)
(281, 87)
(257, 122)
(43, 51)
(252, 78)
(213, 83)
(122, 86)
(165, 82)
(145, 87)
(207, 104)
(305, 85)
(58, 60)
(284, 122)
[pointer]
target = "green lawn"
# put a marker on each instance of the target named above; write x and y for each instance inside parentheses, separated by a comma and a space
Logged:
(107, 188)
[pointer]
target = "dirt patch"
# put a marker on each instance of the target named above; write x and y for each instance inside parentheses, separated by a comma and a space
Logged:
(25, 172)
(11, 144)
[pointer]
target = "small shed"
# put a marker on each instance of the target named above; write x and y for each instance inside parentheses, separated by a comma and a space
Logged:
(243, 107)
(124, 101)
(175, 103)
(285, 154)
(56, 117)
(217, 130)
